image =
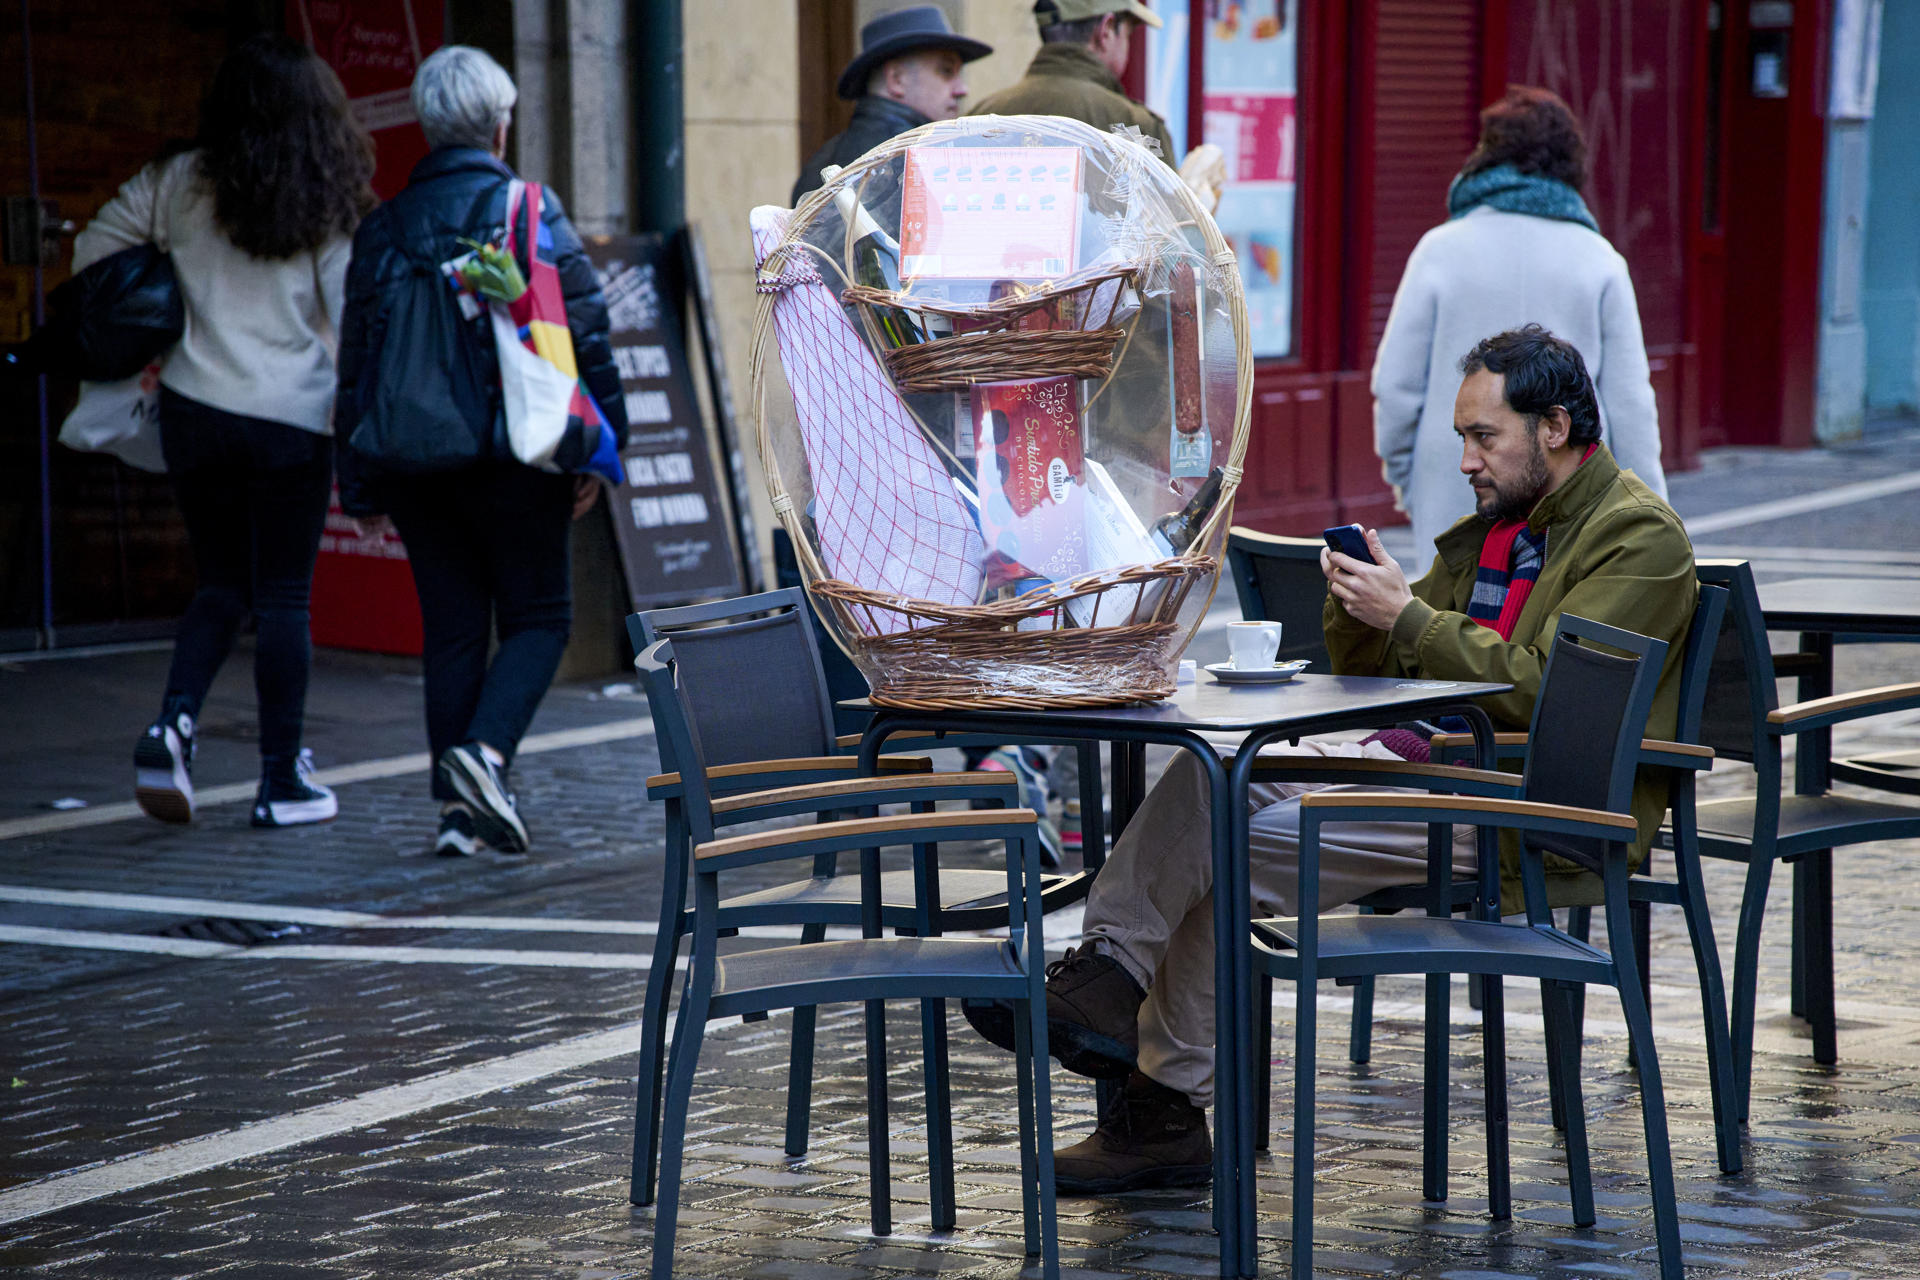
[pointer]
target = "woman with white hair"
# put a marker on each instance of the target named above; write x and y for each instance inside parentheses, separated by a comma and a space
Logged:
(487, 541)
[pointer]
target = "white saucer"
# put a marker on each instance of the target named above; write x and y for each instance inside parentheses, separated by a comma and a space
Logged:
(1278, 673)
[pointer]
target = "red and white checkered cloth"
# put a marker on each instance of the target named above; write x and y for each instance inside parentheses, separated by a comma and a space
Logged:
(885, 509)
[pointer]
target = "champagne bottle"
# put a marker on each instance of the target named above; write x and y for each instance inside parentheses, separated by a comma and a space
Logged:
(1174, 532)
(876, 264)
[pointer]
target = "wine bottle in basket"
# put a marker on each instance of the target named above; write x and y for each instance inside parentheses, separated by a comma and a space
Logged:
(876, 264)
(1174, 532)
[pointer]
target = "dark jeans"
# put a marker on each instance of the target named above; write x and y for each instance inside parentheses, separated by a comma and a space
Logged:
(253, 494)
(489, 551)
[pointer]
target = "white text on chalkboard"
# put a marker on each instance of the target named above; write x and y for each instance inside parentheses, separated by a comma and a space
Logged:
(673, 508)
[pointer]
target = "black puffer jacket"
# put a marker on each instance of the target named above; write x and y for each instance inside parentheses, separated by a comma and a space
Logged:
(455, 193)
(875, 120)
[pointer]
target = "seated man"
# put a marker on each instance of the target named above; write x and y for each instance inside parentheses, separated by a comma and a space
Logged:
(1559, 527)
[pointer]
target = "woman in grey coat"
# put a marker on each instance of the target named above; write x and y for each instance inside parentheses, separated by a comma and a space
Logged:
(1518, 247)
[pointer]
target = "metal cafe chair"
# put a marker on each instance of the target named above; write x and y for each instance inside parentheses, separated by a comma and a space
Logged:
(871, 969)
(1571, 801)
(750, 675)
(1744, 720)
(1279, 580)
(1683, 758)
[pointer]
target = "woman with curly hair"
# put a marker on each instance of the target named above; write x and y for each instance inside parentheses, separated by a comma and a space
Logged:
(1519, 247)
(259, 218)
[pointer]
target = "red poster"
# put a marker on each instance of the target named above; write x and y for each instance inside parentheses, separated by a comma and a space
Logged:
(363, 594)
(375, 46)
(1256, 131)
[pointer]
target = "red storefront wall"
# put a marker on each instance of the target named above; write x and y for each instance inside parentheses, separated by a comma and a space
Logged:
(1390, 92)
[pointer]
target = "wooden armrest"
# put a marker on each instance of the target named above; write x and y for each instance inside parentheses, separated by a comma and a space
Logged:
(856, 833)
(1473, 804)
(1387, 769)
(800, 764)
(1443, 741)
(1865, 702)
(854, 788)
(1447, 741)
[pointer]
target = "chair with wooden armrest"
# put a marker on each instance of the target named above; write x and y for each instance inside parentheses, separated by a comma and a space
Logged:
(750, 675)
(871, 969)
(1743, 720)
(1573, 801)
(1684, 759)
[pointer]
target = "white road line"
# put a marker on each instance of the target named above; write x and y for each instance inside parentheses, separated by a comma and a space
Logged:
(323, 916)
(1820, 500)
(101, 940)
(339, 775)
(196, 1155)
(1818, 555)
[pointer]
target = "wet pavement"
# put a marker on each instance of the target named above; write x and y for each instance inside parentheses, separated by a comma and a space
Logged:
(317, 1053)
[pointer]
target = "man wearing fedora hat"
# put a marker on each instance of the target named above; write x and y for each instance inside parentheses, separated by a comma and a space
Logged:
(1084, 49)
(908, 73)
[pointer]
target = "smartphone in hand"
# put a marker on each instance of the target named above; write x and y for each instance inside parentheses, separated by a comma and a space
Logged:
(1349, 540)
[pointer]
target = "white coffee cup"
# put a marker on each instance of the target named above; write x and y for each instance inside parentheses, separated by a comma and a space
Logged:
(1253, 645)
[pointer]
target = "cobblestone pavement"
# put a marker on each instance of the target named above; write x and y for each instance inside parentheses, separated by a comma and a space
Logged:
(362, 1097)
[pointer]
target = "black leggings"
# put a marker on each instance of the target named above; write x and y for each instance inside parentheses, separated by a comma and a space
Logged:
(253, 493)
(489, 549)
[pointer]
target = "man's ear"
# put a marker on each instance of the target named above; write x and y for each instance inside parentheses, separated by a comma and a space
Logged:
(1556, 426)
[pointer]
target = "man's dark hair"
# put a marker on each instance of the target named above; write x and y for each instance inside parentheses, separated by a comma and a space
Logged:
(1534, 131)
(1541, 371)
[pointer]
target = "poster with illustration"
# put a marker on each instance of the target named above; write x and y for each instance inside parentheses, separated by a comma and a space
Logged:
(1249, 53)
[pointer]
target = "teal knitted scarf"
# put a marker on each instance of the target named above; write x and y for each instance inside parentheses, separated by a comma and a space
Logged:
(1506, 188)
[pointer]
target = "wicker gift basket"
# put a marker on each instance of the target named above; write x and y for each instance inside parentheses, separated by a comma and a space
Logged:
(1017, 358)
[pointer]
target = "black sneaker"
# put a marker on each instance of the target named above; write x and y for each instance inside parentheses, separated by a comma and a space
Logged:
(456, 838)
(476, 780)
(163, 769)
(293, 801)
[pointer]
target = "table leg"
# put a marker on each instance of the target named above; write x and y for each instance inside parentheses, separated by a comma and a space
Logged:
(1812, 961)
(1232, 1103)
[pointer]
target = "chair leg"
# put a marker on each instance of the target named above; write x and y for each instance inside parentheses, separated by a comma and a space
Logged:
(933, 1052)
(800, 1063)
(1640, 914)
(1263, 1062)
(1564, 1058)
(1580, 927)
(1797, 965)
(1653, 1108)
(1493, 1065)
(1433, 1165)
(1304, 1067)
(879, 1136)
(687, 1034)
(650, 1077)
(1360, 1031)
(1746, 977)
(1029, 1127)
(1713, 1000)
(1040, 1223)
(1817, 957)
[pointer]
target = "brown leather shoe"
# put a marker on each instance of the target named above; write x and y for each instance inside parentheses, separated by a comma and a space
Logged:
(1152, 1136)
(1093, 1005)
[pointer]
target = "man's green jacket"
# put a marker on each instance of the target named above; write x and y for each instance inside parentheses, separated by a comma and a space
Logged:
(1615, 554)
(1066, 80)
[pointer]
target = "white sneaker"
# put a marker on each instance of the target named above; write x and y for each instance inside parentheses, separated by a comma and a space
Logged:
(302, 803)
(477, 780)
(163, 769)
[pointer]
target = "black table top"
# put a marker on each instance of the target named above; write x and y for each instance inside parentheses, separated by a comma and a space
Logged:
(1880, 606)
(1209, 705)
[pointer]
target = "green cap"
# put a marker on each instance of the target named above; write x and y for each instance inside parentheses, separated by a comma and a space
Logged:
(1049, 12)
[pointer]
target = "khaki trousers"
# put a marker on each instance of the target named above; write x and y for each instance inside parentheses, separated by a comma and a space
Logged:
(1151, 907)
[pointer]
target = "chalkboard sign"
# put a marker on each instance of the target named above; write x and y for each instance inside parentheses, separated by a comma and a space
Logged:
(672, 529)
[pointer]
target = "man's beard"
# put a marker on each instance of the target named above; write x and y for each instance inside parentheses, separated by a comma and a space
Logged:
(1516, 501)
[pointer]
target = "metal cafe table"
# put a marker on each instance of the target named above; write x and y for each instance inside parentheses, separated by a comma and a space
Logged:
(1823, 610)
(1259, 715)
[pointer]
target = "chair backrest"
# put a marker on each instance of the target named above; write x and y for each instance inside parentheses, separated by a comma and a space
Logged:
(1740, 688)
(1587, 724)
(678, 737)
(749, 674)
(1278, 579)
(1696, 661)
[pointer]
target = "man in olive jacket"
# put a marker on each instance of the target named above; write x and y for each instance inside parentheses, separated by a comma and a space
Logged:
(1559, 528)
(1084, 49)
